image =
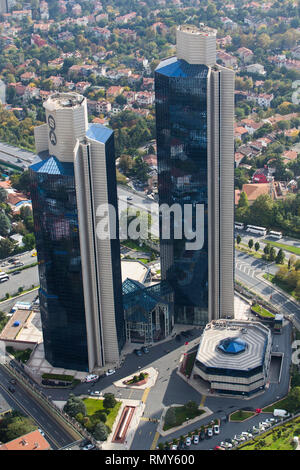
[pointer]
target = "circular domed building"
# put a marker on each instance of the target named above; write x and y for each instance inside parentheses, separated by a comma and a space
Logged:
(234, 357)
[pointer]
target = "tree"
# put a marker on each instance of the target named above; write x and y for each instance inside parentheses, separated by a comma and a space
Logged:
(292, 261)
(280, 257)
(238, 239)
(5, 225)
(250, 243)
(191, 406)
(267, 249)
(3, 195)
(109, 400)
(29, 241)
(272, 255)
(100, 432)
(15, 425)
(257, 246)
(243, 201)
(74, 406)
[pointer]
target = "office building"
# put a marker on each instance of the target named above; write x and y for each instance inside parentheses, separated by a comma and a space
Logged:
(3, 6)
(195, 153)
(234, 357)
(80, 274)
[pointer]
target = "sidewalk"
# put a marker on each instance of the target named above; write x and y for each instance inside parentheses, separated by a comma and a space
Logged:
(138, 413)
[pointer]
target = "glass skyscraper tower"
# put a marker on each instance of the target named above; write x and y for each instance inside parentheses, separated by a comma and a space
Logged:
(195, 153)
(80, 273)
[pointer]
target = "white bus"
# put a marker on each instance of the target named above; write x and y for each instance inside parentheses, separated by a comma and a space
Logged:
(277, 235)
(4, 277)
(261, 231)
(238, 225)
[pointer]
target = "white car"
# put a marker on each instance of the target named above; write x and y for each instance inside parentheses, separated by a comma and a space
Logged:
(110, 372)
(216, 429)
(42, 432)
(91, 378)
(95, 393)
(210, 432)
(196, 439)
(188, 441)
(174, 447)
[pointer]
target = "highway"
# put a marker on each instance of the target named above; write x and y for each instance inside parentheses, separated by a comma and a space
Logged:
(23, 401)
(247, 270)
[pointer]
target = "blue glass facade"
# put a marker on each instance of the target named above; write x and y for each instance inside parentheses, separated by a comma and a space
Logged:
(58, 248)
(181, 127)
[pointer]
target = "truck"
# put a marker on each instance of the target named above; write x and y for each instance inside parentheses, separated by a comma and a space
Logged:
(280, 413)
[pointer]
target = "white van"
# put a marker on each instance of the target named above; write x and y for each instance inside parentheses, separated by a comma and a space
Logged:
(280, 413)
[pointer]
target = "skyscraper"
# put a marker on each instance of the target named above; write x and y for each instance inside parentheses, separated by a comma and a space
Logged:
(80, 273)
(3, 6)
(195, 152)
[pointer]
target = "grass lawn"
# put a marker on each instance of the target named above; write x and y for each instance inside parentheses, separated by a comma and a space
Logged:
(281, 405)
(279, 438)
(241, 415)
(95, 406)
(262, 311)
(290, 248)
(182, 415)
(22, 356)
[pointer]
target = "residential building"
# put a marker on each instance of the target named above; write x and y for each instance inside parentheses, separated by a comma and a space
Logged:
(245, 54)
(80, 274)
(31, 441)
(227, 60)
(256, 68)
(195, 155)
(2, 92)
(261, 175)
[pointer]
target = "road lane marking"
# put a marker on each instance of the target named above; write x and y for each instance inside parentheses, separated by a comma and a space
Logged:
(145, 395)
(203, 400)
(156, 437)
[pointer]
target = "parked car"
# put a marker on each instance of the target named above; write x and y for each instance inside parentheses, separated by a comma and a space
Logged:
(138, 352)
(196, 439)
(110, 372)
(129, 198)
(188, 441)
(247, 435)
(210, 432)
(42, 432)
(173, 447)
(15, 273)
(216, 429)
(89, 447)
(145, 350)
(91, 378)
(95, 393)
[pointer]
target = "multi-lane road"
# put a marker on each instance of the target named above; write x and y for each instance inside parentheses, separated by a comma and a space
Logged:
(249, 271)
(23, 401)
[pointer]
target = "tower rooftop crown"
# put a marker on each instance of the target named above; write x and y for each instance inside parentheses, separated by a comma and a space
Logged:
(63, 100)
(196, 45)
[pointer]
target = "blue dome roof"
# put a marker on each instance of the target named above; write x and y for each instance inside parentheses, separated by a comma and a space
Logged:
(232, 345)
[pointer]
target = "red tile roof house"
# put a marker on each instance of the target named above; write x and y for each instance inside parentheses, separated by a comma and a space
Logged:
(261, 176)
(252, 191)
(31, 441)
